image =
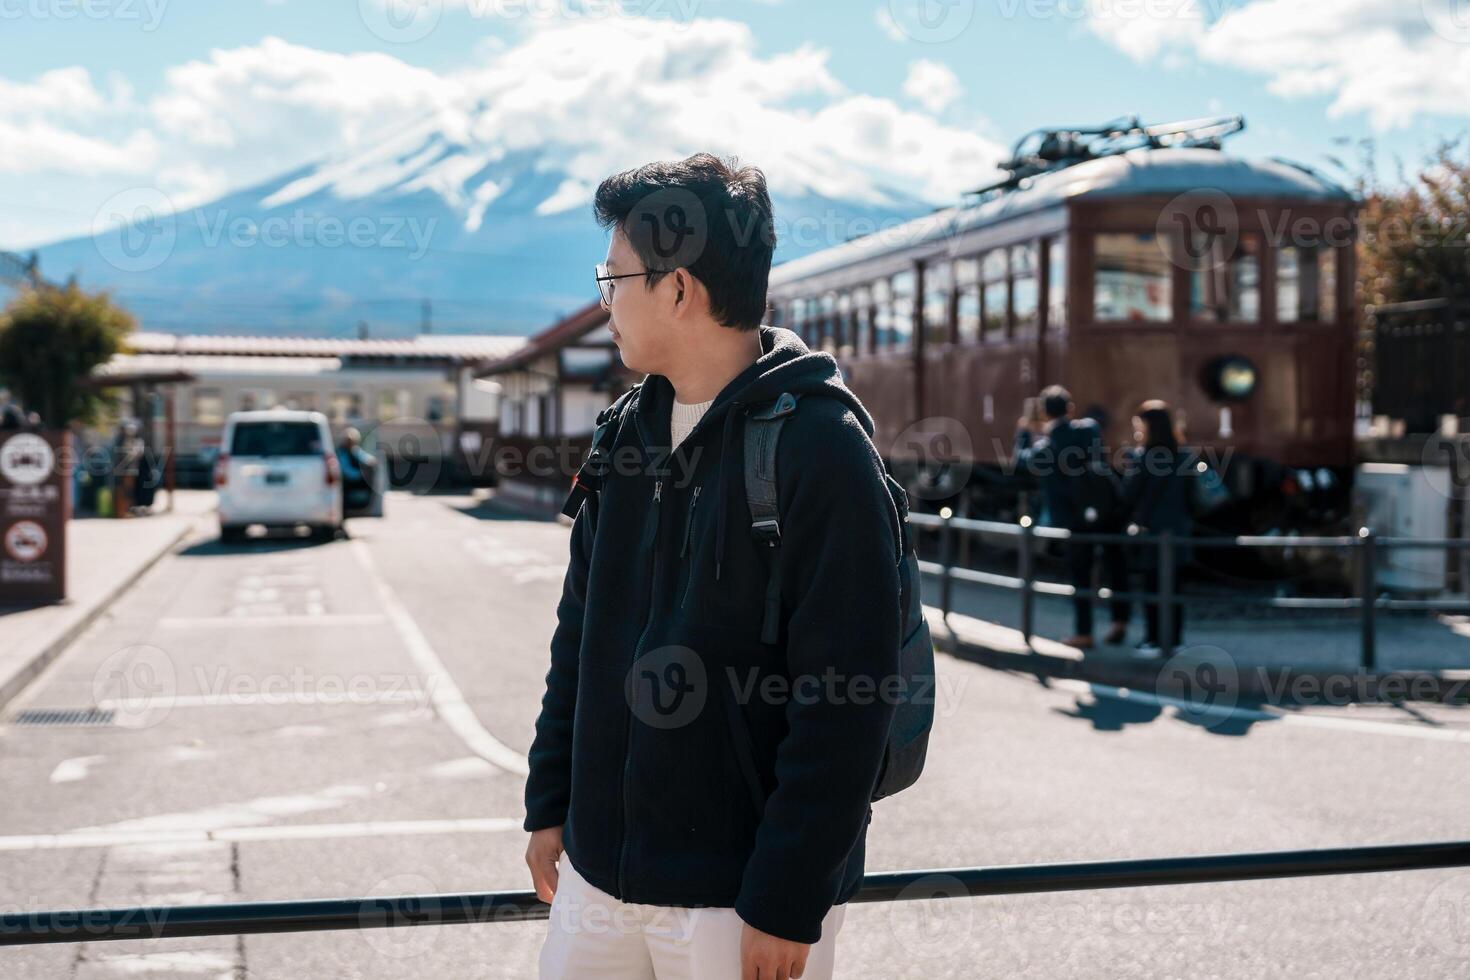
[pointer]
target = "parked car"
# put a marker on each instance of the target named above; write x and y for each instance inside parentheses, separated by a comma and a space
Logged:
(278, 468)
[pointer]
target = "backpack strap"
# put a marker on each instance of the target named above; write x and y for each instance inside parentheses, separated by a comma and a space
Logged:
(762, 435)
(595, 467)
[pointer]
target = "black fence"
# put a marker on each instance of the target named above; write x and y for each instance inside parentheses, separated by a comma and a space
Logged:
(1362, 549)
(374, 912)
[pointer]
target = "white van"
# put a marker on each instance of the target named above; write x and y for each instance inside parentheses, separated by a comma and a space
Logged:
(278, 468)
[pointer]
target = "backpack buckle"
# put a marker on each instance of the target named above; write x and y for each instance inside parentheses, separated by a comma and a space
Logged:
(767, 531)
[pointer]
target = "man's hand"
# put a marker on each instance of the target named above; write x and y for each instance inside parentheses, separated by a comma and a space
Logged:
(767, 957)
(541, 855)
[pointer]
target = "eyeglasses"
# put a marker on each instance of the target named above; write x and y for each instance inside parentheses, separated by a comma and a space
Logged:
(604, 281)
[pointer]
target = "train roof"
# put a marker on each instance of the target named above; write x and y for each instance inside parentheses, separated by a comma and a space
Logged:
(1142, 172)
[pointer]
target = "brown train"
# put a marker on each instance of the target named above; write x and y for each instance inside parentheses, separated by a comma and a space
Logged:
(1125, 262)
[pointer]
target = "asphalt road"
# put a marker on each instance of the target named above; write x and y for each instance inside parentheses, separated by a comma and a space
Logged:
(294, 720)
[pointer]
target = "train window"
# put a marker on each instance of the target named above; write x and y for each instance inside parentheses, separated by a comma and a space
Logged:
(257, 398)
(842, 334)
(994, 295)
(1132, 278)
(1025, 294)
(862, 321)
(209, 406)
(826, 326)
(1056, 285)
(304, 401)
(346, 406)
(967, 306)
(393, 403)
(1226, 288)
(938, 284)
(901, 328)
(1306, 284)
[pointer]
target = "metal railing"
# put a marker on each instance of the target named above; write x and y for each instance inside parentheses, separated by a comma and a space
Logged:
(373, 912)
(1365, 547)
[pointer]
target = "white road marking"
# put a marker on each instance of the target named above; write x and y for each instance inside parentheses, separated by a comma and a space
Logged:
(272, 698)
(444, 693)
(1358, 725)
(371, 828)
(248, 619)
(74, 770)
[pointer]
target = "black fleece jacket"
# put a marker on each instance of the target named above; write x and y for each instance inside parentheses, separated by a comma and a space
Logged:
(689, 763)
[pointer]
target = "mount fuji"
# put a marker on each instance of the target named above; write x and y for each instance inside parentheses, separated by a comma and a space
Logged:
(428, 226)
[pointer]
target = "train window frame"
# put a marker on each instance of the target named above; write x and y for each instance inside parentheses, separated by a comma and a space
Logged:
(1030, 328)
(967, 292)
(843, 325)
(207, 406)
(995, 275)
(1329, 259)
(1195, 264)
(1057, 291)
(1168, 256)
(350, 401)
(862, 312)
(938, 296)
(826, 320)
(901, 333)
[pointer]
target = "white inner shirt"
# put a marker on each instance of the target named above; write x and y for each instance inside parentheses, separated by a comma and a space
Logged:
(683, 418)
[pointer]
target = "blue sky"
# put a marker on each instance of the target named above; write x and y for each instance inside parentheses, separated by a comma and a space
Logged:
(199, 98)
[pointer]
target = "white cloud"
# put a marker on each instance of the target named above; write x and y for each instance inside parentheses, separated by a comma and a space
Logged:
(931, 84)
(586, 98)
(1392, 60)
(883, 17)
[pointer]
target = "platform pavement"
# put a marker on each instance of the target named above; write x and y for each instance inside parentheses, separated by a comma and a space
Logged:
(1267, 653)
(103, 558)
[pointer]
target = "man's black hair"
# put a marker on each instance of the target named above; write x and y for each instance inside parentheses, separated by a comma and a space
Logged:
(1054, 401)
(708, 215)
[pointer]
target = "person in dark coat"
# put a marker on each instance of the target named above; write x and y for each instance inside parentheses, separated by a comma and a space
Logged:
(1156, 487)
(1079, 493)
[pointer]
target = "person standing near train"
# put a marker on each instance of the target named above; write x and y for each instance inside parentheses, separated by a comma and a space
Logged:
(688, 818)
(1156, 494)
(1080, 492)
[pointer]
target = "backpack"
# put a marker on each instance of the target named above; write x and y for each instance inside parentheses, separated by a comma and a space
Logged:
(908, 736)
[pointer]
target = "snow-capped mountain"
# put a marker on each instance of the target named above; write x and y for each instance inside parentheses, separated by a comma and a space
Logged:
(495, 241)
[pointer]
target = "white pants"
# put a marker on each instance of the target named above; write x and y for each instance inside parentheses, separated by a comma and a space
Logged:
(593, 934)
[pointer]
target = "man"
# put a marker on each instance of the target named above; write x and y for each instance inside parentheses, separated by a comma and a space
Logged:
(712, 791)
(1080, 493)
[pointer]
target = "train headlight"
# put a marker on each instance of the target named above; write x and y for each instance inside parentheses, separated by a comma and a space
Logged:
(1231, 378)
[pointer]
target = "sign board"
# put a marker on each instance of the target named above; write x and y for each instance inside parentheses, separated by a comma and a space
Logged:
(35, 503)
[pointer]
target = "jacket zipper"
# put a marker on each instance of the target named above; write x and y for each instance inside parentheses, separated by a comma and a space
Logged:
(684, 550)
(658, 488)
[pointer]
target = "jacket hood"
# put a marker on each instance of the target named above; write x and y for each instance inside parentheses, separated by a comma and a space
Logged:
(785, 364)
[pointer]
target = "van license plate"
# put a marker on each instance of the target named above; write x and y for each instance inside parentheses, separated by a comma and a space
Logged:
(276, 479)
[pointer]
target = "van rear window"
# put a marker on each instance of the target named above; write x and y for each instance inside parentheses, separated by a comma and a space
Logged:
(277, 439)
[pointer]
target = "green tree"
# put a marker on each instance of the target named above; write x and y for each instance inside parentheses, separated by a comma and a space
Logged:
(51, 339)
